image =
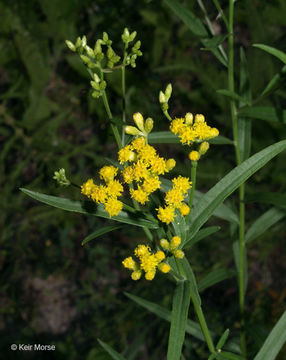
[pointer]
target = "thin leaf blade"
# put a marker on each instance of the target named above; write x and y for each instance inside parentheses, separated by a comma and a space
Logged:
(99, 232)
(114, 354)
(273, 51)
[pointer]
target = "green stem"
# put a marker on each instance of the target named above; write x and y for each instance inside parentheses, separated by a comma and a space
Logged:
(123, 85)
(203, 323)
(109, 114)
(167, 115)
(193, 180)
(241, 277)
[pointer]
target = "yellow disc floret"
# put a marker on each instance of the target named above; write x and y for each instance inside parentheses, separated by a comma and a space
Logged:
(166, 214)
(113, 206)
(88, 187)
(139, 195)
(108, 173)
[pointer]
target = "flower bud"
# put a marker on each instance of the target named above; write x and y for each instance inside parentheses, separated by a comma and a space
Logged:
(214, 132)
(189, 118)
(70, 45)
(89, 51)
(96, 78)
(132, 156)
(139, 121)
(164, 244)
(175, 241)
(85, 59)
(168, 91)
(160, 255)
(184, 209)
(179, 254)
(199, 118)
(148, 125)
(60, 177)
(132, 130)
(194, 156)
(132, 36)
(164, 268)
(83, 41)
(203, 148)
(136, 275)
(162, 98)
(170, 164)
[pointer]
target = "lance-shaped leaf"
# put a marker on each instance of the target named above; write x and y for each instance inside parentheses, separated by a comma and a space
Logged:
(166, 137)
(100, 232)
(266, 113)
(263, 223)
(274, 341)
(268, 198)
(90, 208)
(271, 50)
(114, 354)
(277, 81)
(215, 277)
(227, 185)
(179, 316)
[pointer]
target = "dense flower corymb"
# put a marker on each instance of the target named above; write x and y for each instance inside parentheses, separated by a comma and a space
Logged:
(148, 263)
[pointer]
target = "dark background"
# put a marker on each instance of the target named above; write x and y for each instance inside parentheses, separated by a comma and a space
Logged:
(53, 290)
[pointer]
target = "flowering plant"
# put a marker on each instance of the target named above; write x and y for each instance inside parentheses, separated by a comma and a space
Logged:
(136, 191)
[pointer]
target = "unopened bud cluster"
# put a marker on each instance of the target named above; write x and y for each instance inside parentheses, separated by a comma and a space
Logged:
(60, 177)
(143, 128)
(172, 246)
(164, 97)
(131, 56)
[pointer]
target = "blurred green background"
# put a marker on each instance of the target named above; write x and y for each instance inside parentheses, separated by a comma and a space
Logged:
(53, 290)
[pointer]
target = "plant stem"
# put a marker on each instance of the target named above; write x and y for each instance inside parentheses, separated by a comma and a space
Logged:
(193, 179)
(241, 275)
(203, 323)
(123, 85)
(167, 115)
(219, 9)
(109, 114)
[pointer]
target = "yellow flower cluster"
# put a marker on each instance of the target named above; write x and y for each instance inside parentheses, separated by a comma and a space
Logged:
(144, 168)
(174, 200)
(148, 262)
(106, 194)
(172, 246)
(192, 130)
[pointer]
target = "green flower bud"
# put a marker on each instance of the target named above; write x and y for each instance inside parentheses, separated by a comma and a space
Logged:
(85, 59)
(203, 148)
(137, 45)
(97, 47)
(95, 85)
(164, 244)
(132, 130)
(149, 123)
(89, 51)
(70, 45)
(189, 118)
(105, 37)
(162, 98)
(78, 42)
(60, 177)
(96, 78)
(132, 36)
(96, 94)
(164, 107)
(139, 121)
(102, 85)
(168, 91)
(83, 41)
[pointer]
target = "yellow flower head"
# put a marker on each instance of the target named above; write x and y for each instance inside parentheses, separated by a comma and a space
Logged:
(126, 154)
(179, 254)
(99, 194)
(146, 154)
(108, 173)
(166, 214)
(177, 126)
(138, 143)
(128, 174)
(136, 275)
(151, 184)
(175, 242)
(164, 268)
(182, 183)
(88, 187)
(139, 195)
(113, 206)
(174, 197)
(114, 188)
(139, 171)
(129, 263)
(194, 156)
(158, 166)
(184, 209)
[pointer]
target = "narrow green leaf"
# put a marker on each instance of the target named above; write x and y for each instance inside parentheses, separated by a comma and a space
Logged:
(274, 341)
(192, 328)
(90, 208)
(214, 50)
(267, 198)
(192, 22)
(235, 249)
(264, 113)
(191, 277)
(100, 232)
(215, 277)
(277, 81)
(263, 223)
(201, 235)
(114, 354)
(166, 137)
(271, 50)
(222, 339)
(214, 41)
(244, 124)
(179, 316)
(214, 197)
(230, 94)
